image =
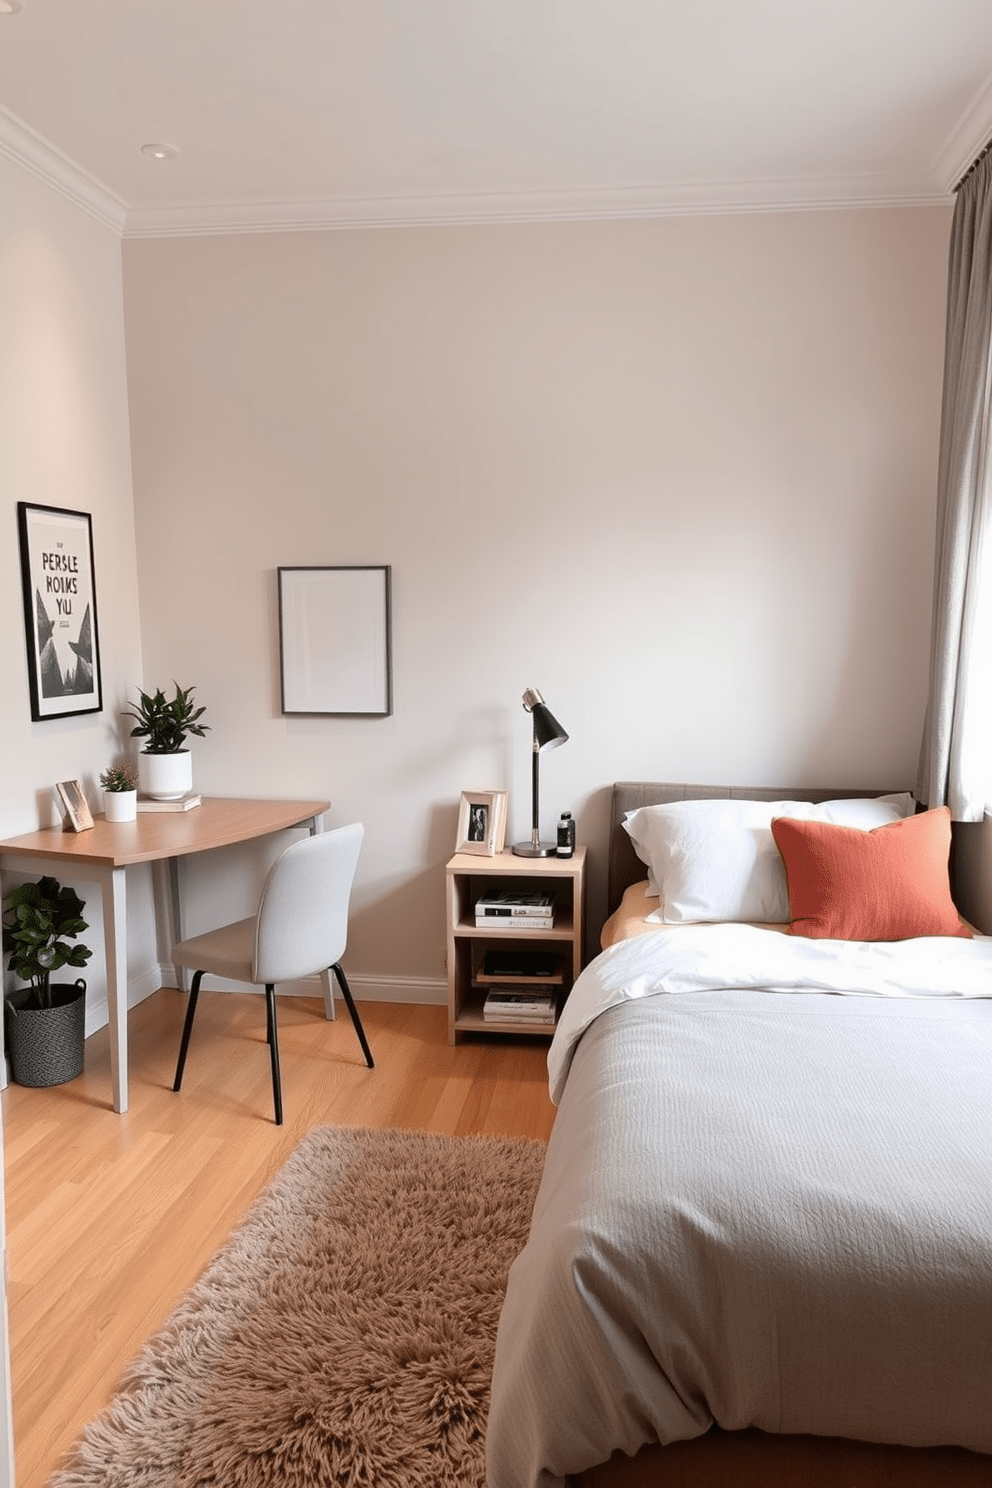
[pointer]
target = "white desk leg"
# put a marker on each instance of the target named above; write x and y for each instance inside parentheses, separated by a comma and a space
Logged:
(326, 977)
(327, 987)
(177, 922)
(115, 943)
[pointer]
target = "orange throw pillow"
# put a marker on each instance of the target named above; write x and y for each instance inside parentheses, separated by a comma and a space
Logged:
(887, 884)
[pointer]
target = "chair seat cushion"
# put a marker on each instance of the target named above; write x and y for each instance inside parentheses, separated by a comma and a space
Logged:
(227, 952)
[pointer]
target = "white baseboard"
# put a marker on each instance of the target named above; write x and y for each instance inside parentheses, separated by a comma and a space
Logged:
(423, 990)
(365, 988)
(138, 988)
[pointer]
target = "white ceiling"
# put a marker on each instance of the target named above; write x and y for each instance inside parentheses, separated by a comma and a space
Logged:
(308, 113)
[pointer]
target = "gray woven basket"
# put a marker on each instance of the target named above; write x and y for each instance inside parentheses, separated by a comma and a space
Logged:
(46, 1044)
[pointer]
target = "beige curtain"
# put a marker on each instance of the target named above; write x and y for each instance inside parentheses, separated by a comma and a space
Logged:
(956, 756)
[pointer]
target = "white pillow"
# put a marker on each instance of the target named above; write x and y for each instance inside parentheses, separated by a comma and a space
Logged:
(717, 860)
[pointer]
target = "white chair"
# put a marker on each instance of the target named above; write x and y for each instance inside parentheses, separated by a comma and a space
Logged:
(301, 928)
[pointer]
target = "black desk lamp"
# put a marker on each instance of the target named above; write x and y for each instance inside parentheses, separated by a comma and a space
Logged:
(548, 734)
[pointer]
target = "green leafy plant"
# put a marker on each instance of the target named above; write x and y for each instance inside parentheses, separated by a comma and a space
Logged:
(119, 778)
(39, 921)
(165, 722)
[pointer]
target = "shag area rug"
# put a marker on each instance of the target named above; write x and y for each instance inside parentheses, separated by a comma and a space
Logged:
(343, 1335)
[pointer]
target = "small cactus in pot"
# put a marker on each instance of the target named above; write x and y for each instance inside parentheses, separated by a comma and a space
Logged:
(119, 778)
(120, 792)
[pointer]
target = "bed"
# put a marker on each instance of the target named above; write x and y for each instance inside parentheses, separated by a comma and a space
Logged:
(762, 1248)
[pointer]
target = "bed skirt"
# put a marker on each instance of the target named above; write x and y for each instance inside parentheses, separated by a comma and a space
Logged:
(755, 1459)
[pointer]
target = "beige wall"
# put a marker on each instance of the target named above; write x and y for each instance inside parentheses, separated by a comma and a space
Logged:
(64, 442)
(677, 474)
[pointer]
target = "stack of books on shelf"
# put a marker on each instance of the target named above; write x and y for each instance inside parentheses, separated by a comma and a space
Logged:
(508, 1005)
(543, 968)
(522, 986)
(516, 909)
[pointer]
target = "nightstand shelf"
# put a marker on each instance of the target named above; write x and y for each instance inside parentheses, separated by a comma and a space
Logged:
(468, 877)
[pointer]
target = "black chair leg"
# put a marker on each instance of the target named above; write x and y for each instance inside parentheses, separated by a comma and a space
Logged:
(194, 993)
(270, 1009)
(350, 1003)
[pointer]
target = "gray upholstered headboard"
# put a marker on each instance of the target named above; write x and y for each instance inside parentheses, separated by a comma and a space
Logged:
(625, 867)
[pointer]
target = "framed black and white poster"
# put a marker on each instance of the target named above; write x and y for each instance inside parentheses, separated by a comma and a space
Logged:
(334, 640)
(59, 611)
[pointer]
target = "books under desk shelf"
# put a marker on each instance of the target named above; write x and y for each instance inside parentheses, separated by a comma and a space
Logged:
(496, 953)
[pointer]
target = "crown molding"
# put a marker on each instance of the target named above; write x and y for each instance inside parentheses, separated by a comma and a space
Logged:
(966, 140)
(637, 201)
(20, 143)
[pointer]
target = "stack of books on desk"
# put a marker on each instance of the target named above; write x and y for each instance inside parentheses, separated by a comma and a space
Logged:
(514, 909)
(181, 803)
(507, 1005)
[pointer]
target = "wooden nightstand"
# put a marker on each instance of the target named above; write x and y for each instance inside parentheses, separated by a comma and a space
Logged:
(469, 877)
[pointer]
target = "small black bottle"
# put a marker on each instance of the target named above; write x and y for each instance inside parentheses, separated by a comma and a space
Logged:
(566, 836)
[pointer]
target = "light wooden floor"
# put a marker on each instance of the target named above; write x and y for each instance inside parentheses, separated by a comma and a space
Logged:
(111, 1218)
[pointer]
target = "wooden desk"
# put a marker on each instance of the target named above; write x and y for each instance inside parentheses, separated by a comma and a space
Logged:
(102, 854)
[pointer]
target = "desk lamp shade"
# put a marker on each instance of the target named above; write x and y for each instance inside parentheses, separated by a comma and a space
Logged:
(548, 734)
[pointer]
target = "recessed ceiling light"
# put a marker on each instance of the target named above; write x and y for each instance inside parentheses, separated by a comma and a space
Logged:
(9, 7)
(157, 152)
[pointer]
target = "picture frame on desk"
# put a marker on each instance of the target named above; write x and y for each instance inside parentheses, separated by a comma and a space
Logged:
(74, 804)
(482, 823)
(60, 626)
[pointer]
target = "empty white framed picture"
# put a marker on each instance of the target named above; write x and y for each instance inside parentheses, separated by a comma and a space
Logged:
(334, 640)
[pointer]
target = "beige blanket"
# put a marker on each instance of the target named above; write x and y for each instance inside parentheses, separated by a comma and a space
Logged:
(767, 1209)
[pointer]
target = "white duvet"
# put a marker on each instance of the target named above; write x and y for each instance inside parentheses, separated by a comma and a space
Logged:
(705, 958)
(764, 1204)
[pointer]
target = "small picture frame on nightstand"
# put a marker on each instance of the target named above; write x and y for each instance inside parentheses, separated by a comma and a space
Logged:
(482, 823)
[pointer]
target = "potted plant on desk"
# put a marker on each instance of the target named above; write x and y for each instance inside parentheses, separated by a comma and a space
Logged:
(165, 764)
(120, 793)
(45, 1022)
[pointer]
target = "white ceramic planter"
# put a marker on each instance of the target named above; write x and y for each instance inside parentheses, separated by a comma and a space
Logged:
(166, 777)
(120, 806)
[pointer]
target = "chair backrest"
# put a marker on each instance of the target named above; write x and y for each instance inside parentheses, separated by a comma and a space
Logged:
(302, 925)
